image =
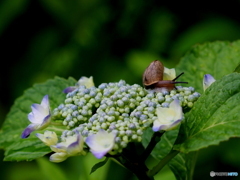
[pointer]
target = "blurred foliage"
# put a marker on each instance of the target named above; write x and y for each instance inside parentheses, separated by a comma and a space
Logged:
(109, 40)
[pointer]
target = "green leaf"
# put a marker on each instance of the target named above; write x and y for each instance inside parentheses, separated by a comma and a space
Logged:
(214, 118)
(16, 121)
(51, 170)
(178, 166)
(203, 31)
(216, 58)
(9, 10)
(183, 165)
(98, 165)
(163, 147)
(237, 69)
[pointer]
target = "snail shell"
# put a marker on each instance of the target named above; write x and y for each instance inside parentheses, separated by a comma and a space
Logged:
(153, 73)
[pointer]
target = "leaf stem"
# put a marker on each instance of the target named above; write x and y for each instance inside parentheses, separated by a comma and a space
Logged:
(162, 163)
(56, 123)
(131, 161)
(55, 128)
(154, 140)
(191, 164)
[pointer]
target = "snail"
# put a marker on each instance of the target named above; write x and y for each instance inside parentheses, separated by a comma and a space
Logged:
(153, 78)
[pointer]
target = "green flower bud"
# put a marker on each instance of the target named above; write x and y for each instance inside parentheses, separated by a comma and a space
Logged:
(134, 137)
(125, 138)
(68, 100)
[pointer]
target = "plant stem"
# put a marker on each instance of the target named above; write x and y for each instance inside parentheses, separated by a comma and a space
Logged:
(162, 163)
(191, 162)
(154, 140)
(56, 123)
(56, 128)
(132, 161)
(143, 176)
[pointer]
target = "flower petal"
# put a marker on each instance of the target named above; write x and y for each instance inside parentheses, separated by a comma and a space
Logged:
(39, 117)
(58, 157)
(170, 126)
(30, 128)
(156, 126)
(100, 154)
(72, 146)
(69, 89)
(49, 138)
(31, 117)
(46, 121)
(39, 109)
(177, 108)
(39, 113)
(207, 81)
(58, 148)
(101, 143)
(168, 118)
(83, 81)
(169, 74)
(88, 82)
(45, 102)
(76, 147)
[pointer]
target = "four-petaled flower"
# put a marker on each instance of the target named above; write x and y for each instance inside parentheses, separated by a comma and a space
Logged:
(207, 81)
(49, 138)
(100, 143)
(72, 146)
(168, 118)
(83, 81)
(39, 117)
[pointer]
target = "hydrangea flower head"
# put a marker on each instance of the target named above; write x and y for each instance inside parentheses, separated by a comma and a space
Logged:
(72, 146)
(100, 143)
(83, 81)
(168, 118)
(39, 117)
(207, 81)
(49, 138)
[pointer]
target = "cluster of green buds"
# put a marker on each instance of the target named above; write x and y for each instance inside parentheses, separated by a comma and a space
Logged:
(126, 110)
(106, 118)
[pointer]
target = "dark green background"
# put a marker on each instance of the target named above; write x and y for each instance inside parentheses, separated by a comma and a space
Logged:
(109, 40)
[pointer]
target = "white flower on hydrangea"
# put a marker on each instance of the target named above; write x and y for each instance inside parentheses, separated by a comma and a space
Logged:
(168, 118)
(88, 82)
(169, 74)
(100, 143)
(39, 117)
(72, 146)
(83, 81)
(208, 79)
(49, 138)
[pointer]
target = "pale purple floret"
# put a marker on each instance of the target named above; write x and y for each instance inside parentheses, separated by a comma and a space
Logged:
(83, 81)
(166, 127)
(49, 137)
(101, 143)
(72, 146)
(69, 89)
(168, 118)
(208, 79)
(39, 117)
